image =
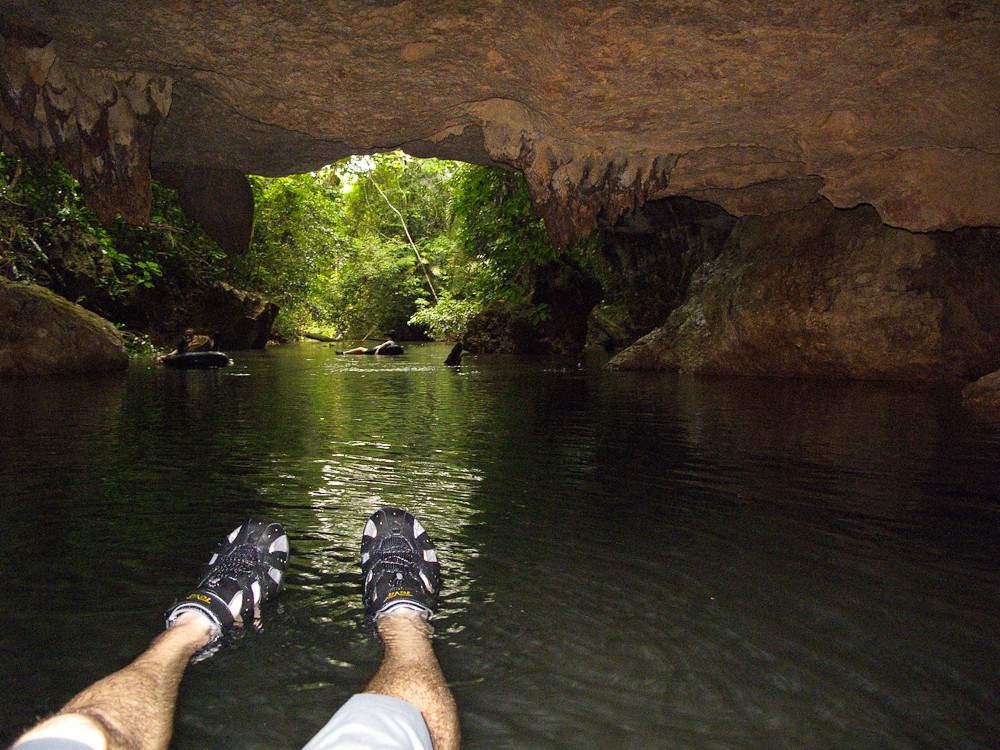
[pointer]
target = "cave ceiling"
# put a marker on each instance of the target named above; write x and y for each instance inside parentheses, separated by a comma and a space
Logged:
(757, 105)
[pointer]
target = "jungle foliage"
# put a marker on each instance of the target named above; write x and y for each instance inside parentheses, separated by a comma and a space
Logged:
(45, 226)
(388, 242)
(361, 247)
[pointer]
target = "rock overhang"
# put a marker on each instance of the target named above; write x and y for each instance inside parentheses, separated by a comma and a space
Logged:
(759, 106)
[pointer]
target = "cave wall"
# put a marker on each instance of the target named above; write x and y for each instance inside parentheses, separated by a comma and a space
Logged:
(646, 263)
(826, 292)
(758, 106)
(97, 121)
(553, 320)
(221, 200)
(765, 109)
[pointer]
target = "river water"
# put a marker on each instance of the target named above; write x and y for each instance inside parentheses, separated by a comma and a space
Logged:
(631, 560)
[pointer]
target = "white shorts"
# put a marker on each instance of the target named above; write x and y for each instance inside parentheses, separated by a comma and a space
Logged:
(373, 722)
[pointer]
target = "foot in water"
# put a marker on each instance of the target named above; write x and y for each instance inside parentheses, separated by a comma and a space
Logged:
(247, 569)
(399, 565)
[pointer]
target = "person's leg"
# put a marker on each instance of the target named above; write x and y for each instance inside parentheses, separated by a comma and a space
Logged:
(132, 709)
(407, 704)
(410, 672)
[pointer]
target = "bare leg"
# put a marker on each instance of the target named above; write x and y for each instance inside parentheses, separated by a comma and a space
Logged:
(132, 709)
(411, 672)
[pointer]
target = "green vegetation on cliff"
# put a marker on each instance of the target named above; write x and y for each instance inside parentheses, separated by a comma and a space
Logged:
(389, 242)
(48, 234)
(361, 247)
(42, 213)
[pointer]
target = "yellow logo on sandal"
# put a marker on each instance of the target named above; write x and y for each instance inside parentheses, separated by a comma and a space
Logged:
(200, 598)
(394, 594)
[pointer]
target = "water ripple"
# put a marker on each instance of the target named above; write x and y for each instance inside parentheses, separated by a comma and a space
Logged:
(631, 561)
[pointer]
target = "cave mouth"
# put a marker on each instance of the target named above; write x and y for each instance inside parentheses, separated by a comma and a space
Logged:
(487, 271)
(769, 113)
(427, 248)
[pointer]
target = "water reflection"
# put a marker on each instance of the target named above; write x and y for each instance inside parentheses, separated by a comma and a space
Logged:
(630, 561)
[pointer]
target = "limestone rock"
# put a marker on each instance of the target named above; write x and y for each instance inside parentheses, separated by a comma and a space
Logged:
(555, 321)
(44, 334)
(567, 294)
(238, 319)
(830, 293)
(649, 258)
(602, 104)
(983, 395)
(98, 122)
(221, 200)
(609, 327)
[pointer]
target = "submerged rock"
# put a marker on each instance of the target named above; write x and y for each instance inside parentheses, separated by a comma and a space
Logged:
(830, 293)
(43, 334)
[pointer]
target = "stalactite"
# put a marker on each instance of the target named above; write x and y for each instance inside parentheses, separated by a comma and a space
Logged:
(98, 123)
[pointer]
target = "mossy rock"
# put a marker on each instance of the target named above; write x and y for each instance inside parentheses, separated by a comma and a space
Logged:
(42, 333)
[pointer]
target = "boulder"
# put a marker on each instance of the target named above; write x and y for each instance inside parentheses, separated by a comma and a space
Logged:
(823, 292)
(43, 334)
(238, 319)
(983, 395)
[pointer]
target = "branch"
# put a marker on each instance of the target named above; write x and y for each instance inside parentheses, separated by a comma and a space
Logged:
(18, 171)
(409, 239)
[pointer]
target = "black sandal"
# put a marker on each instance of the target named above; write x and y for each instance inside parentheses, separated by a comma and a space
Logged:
(399, 565)
(247, 569)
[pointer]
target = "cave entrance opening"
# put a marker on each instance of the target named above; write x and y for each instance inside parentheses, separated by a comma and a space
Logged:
(384, 243)
(419, 248)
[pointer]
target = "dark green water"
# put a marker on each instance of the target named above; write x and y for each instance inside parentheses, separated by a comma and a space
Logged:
(632, 561)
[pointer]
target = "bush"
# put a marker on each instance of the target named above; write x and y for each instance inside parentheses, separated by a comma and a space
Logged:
(448, 319)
